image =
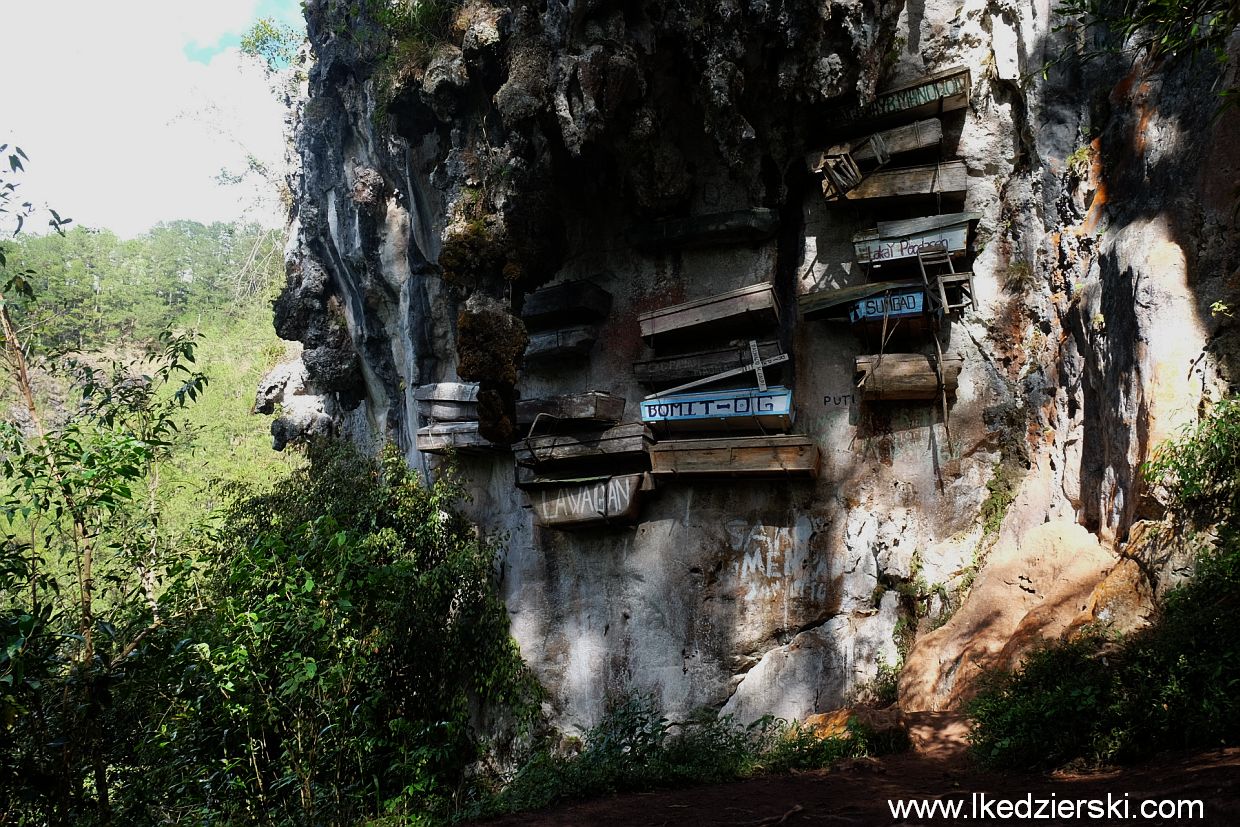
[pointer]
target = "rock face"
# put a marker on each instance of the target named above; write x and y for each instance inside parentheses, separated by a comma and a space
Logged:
(441, 182)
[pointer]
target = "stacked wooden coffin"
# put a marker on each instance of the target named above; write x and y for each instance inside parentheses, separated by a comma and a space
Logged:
(579, 465)
(448, 416)
(563, 320)
(714, 414)
(915, 269)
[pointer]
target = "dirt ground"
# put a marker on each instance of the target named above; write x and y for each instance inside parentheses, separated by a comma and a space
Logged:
(938, 767)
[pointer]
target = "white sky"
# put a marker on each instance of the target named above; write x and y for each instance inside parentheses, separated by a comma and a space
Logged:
(122, 128)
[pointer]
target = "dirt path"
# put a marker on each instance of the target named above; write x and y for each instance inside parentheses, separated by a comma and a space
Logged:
(938, 767)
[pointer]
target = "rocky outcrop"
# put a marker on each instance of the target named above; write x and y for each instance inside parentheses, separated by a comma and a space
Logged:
(442, 181)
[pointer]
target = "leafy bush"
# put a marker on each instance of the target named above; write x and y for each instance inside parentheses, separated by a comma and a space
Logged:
(1164, 28)
(355, 640)
(635, 747)
(1174, 684)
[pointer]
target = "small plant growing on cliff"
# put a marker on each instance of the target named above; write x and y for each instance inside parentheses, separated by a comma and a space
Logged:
(1018, 277)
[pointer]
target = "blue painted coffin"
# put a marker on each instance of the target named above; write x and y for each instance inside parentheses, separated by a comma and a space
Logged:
(744, 409)
(896, 304)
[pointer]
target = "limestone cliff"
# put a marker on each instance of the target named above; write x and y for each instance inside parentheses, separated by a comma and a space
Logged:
(444, 179)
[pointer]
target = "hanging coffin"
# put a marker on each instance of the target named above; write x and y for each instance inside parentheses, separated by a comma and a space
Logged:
(567, 303)
(668, 370)
(748, 409)
(951, 179)
(623, 444)
(838, 304)
(448, 401)
(443, 437)
(911, 376)
(588, 501)
(945, 91)
(736, 227)
(901, 303)
(778, 457)
(566, 343)
(591, 407)
(893, 240)
(747, 309)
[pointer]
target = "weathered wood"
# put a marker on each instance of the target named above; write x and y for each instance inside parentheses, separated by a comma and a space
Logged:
(907, 138)
(589, 502)
(905, 376)
(754, 307)
(736, 227)
(447, 401)
(593, 406)
(443, 437)
(626, 442)
(892, 240)
(669, 370)
(836, 304)
(950, 178)
(958, 288)
(567, 342)
(757, 456)
(945, 91)
(567, 303)
(745, 409)
(898, 303)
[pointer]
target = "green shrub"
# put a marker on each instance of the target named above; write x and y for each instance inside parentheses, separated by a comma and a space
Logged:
(1175, 684)
(635, 747)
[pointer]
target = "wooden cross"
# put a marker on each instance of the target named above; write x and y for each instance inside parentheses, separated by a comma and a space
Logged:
(756, 366)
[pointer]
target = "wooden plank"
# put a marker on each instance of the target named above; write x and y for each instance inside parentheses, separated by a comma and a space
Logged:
(894, 240)
(744, 409)
(565, 343)
(670, 370)
(910, 137)
(738, 226)
(836, 304)
(447, 401)
(899, 303)
(583, 503)
(909, 376)
(626, 442)
(950, 178)
(566, 303)
(945, 91)
(753, 306)
(593, 406)
(443, 437)
(762, 456)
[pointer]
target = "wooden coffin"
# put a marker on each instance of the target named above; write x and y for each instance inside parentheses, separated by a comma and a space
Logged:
(593, 406)
(567, 303)
(892, 240)
(905, 376)
(896, 303)
(911, 137)
(945, 91)
(837, 304)
(565, 343)
(744, 409)
(621, 444)
(750, 308)
(447, 401)
(442, 437)
(737, 227)
(752, 456)
(669, 370)
(580, 503)
(950, 178)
